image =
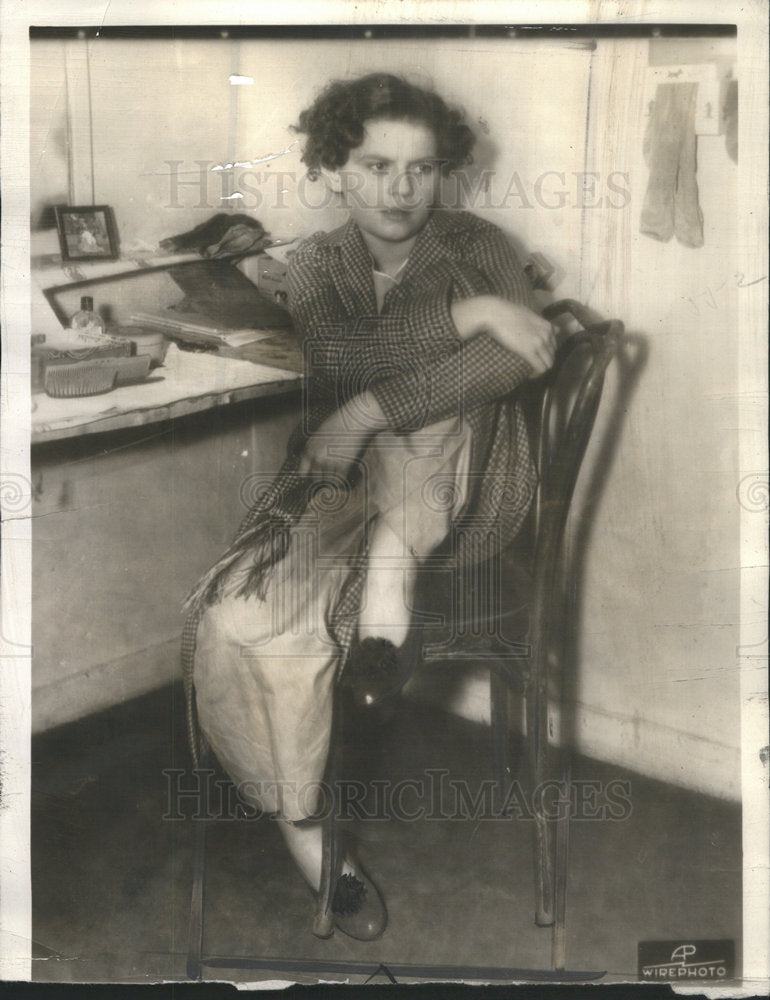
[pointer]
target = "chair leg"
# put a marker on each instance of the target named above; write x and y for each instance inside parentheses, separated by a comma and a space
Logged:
(498, 697)
(544, 899)
(537, 738)
(195, 939)
(559, 947)
(323, 922)
(331, 856)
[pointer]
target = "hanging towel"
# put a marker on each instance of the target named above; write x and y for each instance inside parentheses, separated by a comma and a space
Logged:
(671, 202)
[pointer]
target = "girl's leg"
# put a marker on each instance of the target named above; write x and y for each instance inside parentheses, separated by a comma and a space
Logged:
(265, 671)
(304, 843)
(409, 524)
(390, 577)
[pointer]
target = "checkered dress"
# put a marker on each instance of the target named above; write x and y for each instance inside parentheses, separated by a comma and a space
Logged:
(409, 356)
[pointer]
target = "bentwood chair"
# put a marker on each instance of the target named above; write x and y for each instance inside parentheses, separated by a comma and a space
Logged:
(512, 615)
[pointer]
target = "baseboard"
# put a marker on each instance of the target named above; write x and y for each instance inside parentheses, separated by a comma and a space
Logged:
(644, 746)
(659, 751)
(105, 685)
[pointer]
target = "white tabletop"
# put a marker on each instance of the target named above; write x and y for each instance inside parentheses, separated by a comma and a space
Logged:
(187, 382)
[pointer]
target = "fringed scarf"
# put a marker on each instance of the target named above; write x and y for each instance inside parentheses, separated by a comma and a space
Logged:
(265, 534)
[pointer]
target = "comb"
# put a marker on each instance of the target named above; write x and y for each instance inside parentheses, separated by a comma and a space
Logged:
(84, 378)
(88, 378)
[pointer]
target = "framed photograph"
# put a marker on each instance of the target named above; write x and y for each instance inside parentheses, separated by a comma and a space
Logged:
(87, 232)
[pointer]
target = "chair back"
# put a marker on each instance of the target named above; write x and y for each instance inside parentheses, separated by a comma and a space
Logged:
(561, 408)
(503, 609)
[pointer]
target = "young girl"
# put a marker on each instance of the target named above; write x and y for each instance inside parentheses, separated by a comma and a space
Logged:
(416, 328)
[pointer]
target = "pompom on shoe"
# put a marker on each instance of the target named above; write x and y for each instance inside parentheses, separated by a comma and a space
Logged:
(375, 670)
(358, 907)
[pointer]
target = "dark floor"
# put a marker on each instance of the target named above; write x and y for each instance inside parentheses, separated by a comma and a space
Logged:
(111, 876)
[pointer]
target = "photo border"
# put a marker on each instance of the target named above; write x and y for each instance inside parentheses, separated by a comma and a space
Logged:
(14, 690)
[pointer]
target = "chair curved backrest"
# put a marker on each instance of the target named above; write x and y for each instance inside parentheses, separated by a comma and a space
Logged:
(567, 398)
(560, 409)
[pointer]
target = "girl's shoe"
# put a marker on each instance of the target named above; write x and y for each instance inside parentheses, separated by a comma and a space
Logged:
(358, 907)
(373, 670)
(376, 669)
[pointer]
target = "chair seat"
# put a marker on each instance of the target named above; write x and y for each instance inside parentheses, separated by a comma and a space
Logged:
(479, 614)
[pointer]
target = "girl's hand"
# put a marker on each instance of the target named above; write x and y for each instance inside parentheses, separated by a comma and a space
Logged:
(516, 327)
(342, 437)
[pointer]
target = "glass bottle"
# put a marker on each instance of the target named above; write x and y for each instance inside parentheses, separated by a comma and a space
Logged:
(86, 322)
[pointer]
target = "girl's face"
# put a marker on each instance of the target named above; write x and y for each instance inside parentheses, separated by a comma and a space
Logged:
(390, 182)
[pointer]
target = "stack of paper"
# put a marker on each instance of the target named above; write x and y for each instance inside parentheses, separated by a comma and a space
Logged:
(200, 333)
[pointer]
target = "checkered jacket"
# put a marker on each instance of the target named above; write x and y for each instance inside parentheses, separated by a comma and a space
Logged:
(410, 357)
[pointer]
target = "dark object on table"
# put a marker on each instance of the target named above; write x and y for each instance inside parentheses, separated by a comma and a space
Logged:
(272, 278)
(221, 293)
(223, 235)
(143, 340)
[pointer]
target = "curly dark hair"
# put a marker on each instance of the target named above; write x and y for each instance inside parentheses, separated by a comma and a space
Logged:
(334, 124)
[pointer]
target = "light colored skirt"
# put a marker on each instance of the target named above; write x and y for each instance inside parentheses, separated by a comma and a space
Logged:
(265, 669)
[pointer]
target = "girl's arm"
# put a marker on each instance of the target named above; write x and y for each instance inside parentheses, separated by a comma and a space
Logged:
(503, 343)
(515, 327)
(475, 368)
